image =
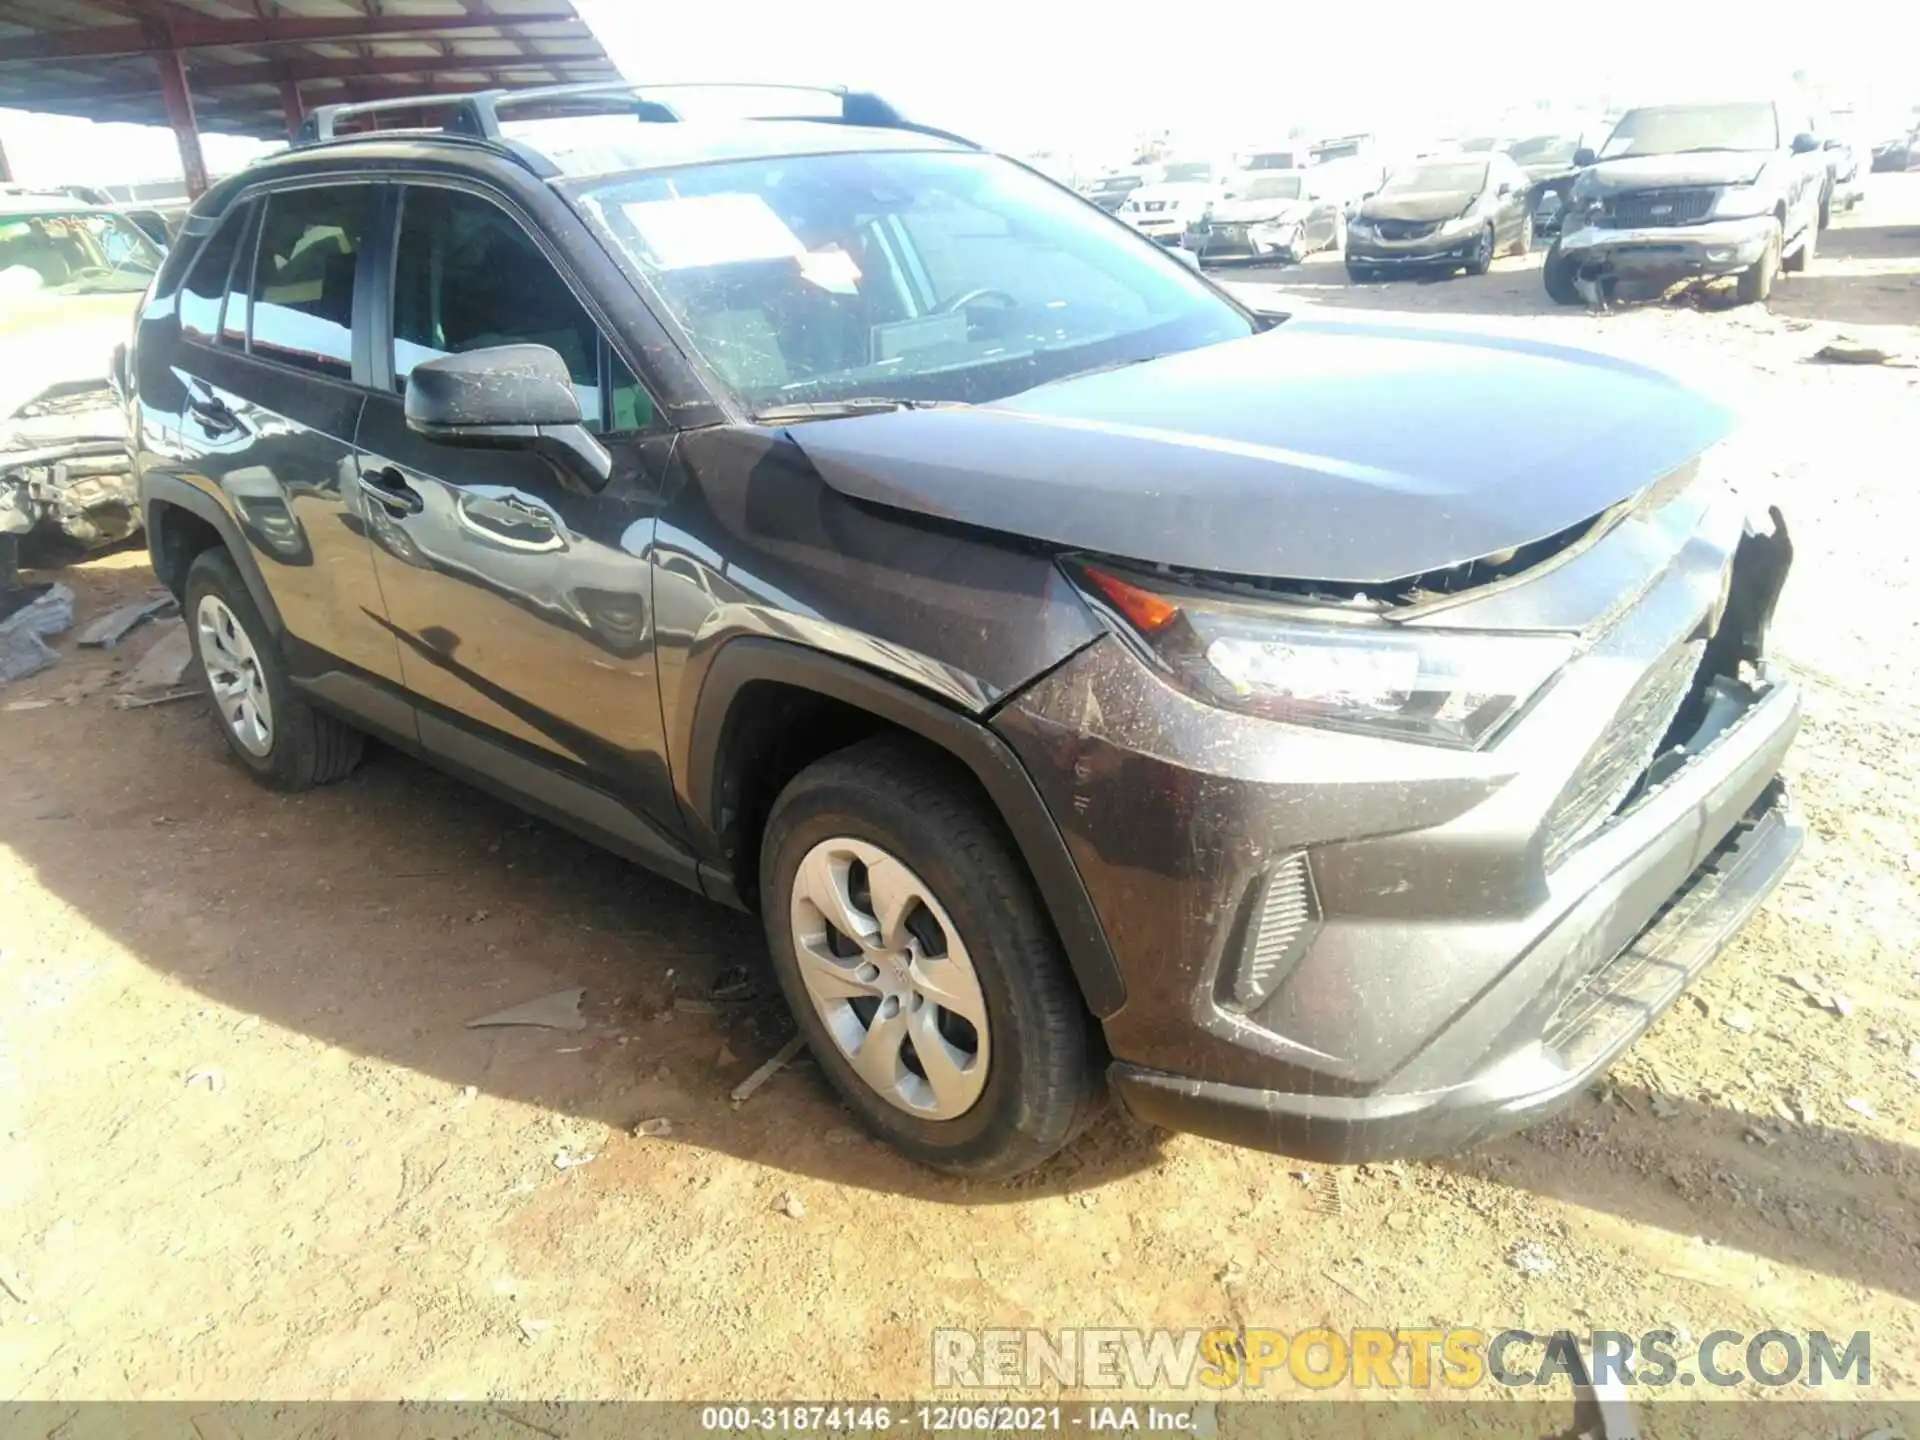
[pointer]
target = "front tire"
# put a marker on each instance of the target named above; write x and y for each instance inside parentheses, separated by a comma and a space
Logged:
(1800, 259)
(900, 917)
(1362, 274)
(1482, 260)
(1756, 281)
(1558, 273)
(269, 728)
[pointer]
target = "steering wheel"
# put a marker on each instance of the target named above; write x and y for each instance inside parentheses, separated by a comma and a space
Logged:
(961, 302)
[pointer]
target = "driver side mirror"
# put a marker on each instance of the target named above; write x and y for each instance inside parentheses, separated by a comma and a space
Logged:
(1584, 157)
(1804, 143)
(507, 397)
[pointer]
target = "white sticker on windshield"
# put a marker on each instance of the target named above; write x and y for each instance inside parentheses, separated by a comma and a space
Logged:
(699, 230)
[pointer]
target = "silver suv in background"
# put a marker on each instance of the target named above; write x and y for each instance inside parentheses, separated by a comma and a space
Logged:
(1676, 191)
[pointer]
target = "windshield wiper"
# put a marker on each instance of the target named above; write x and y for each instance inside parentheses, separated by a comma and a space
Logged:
(856, 405)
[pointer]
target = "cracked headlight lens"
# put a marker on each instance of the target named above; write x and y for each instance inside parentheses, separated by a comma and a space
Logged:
(1456, 688)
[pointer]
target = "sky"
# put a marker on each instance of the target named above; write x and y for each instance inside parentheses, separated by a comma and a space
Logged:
(1084, 78)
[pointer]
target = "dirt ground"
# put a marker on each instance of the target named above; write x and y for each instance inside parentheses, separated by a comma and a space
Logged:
(249, 1147)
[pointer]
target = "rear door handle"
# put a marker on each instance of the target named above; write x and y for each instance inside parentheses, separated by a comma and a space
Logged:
(212, 413)
(390, 488)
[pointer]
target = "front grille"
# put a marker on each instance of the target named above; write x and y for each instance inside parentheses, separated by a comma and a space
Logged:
(1406, 229)
(1154, 207)
(1656, 208)
(1615, 765)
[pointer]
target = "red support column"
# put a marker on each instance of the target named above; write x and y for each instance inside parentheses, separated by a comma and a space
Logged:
(186, 130)
(294, 106)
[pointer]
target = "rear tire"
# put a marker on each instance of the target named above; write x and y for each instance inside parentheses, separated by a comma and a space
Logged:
(1558, 273)
(1826, 208)
(1756, 281)
(889, 827)
(1523, 244)
(268, 726)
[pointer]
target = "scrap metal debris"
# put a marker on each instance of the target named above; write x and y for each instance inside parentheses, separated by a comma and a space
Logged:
(1847, 351)
(23, 647)
(790, 1205)
(767, 1071)
(558, 1011)
(163, 669)
(658, 1128)
(114, 626)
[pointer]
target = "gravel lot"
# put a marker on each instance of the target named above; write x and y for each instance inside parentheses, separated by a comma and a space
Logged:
(249, 1147)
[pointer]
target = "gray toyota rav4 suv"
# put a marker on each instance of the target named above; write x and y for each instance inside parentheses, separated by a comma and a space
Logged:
(1342, 739)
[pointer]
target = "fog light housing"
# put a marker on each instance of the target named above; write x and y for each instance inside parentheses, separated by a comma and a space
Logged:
(1280, 924)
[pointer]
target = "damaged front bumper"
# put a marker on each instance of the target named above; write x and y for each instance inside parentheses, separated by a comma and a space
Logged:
(1442, 954)
(1669, 253)
(65, 468)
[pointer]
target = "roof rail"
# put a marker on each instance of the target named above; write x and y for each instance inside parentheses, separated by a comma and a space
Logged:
(323, 121)
(478, 114)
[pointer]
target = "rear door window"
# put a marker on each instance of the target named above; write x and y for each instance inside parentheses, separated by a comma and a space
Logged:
(205, 288)
(304, 275)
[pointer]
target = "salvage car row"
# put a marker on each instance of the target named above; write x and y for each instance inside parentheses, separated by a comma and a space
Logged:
(1738, 188)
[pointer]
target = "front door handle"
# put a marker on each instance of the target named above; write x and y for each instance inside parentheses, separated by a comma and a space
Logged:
(390, 488)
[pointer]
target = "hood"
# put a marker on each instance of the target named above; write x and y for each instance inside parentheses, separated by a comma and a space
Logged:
(1659, 172)
(49, 339)
(1427, 205)
(1337, 451)
(1241, 211)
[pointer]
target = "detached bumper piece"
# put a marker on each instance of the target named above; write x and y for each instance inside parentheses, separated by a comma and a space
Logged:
(65, 469)
(1611, 1008)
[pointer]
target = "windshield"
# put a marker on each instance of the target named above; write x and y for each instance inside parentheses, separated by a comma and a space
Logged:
(74, 252)
(1436, 179)
(907, 275)
(1480, 145)
(1274, 187)
(1671, 129)
(1544, 150)
(1271, 160)
(1189, 171)
(1109, 183)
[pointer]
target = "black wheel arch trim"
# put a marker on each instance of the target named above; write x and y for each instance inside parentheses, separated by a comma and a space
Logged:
(749, 659)
(157, 491)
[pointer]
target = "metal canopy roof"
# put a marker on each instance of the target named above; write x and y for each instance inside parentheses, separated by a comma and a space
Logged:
(255, 66)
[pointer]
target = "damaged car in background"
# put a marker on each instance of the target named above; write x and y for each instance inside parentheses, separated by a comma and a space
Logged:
(1269, 214)
(71, 276)
(1691, 191)
(1340, 738)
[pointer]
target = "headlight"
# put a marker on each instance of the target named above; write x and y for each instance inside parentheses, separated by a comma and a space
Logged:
(1455, 688)
(1460, 224)
(1359, 225)
(1741, 202)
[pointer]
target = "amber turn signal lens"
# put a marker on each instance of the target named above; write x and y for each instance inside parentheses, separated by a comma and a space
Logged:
(1145, 611)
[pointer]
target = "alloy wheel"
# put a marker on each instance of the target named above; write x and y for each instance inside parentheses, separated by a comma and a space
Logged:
(890, 978)
(233, 671)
